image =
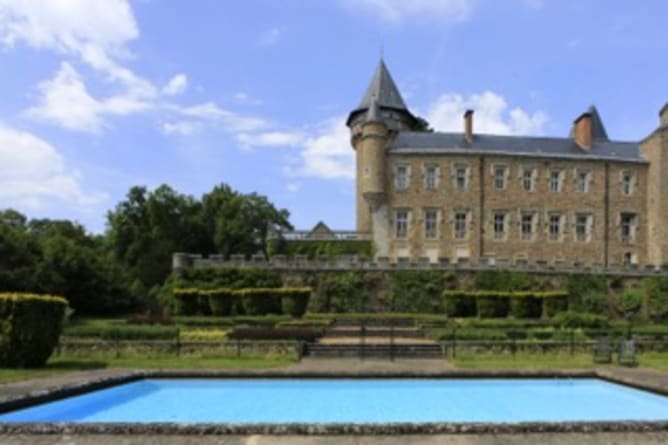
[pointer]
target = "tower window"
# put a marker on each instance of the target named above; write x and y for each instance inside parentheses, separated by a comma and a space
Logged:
(401, 223)
(528, 179)
(527, 225)
(627, 183)
(500, 177)
(460, 225)
(430, 177)
(430, 223)
(499, 225)
(461, 177)
(582, 180)
(627, 226)
(401, 177)
(555, 180)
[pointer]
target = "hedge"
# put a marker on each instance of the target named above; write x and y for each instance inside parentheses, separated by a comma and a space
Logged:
(186, 301)
(260, 301)
(500, 304)
(295, 300)
(30, 326)
(259, 333)
(220, 301)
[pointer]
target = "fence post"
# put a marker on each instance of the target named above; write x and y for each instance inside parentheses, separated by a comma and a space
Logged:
(362, 334)
(238, 347)
(454, 343)
(513, 347)
(178, 342)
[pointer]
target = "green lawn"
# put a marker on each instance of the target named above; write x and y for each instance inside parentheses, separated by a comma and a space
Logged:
(63, 364)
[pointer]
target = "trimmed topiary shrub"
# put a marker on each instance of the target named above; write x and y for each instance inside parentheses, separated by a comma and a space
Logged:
(30, 326)
(525, 305)
(459, 304)
(554, 303)
(186, 301)
(260, 301)
(295, 300)
(220, 301)
(491, 305)
(580, 320)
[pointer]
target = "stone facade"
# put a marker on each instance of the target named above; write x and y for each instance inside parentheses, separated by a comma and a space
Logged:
(467, 197)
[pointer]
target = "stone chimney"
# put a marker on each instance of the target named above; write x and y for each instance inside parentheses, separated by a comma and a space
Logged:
(468, 126)
(663, 115)
(582, 131)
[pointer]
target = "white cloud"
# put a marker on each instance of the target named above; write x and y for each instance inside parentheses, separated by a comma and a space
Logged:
(65, 100)
(33, 174)
(270, 138)
(492, 115)
(182, 128)
(293, 187)
(228, 120)
(399, 11)
(176, 85)
(327, 154)
(270, 37)
(243, 97)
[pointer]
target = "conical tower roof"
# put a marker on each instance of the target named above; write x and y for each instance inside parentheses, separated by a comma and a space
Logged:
(384, 92)
(383, 89)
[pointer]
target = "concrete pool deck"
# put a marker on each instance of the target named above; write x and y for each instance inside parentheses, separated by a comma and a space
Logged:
(44, 388)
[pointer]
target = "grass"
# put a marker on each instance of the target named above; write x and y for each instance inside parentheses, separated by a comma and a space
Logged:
(67, 363)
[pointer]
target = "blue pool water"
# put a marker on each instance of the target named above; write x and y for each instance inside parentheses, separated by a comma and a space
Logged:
(353, 401)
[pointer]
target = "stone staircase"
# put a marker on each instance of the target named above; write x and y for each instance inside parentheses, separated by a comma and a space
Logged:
(383, 339)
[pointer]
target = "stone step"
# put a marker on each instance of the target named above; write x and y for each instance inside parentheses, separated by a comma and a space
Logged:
(374, 350)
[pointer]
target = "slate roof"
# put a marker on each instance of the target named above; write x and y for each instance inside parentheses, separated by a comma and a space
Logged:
(409, 142)
(385, 92)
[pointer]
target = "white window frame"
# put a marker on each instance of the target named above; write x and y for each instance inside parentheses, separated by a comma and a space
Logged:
(553, 235)
(461, 231)
(627, 184)
(582, 187)
(456, 177)
(401, 221)
(428, 233)
(628, 226)
(527, 236)
(431, 174)
(531, 178)
(588, 222)
(502, 224)
(499, 176)
(560, 180)
(401, 180)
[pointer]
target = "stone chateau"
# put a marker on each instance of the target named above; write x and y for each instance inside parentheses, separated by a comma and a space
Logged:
(452, 197)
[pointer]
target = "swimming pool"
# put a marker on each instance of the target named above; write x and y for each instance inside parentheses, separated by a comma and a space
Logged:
(353, 401)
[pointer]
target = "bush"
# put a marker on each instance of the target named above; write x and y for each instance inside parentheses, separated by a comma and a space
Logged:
(459, 304)
(580, 320)
(149, 319)
(220, 301)
(525, 305)
(30, 326)
(295, 300)
(303, 333)
(630, 303)
(492, 305)
(588, 293)
(656, 289)
(117, 333)
(186, 301)
(555, 304)
(260, 301)
(417, 290)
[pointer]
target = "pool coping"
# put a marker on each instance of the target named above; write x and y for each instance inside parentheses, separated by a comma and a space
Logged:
(14, 402)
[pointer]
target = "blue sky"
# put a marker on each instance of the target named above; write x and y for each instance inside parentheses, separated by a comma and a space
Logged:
(101, 95)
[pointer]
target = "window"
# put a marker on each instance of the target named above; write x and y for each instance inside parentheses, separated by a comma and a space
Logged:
(401, 223)
(528, 178)
(460, 225)
(555, 181)
(627, 183)
(499, 225)
(430, 223)
(627, 226)
(401, 177)
(555, 227)
(527, 226)
(461, 177)
(430, 177)
(582, 227)
(499, 177)
(629, 258)
(582, 180)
